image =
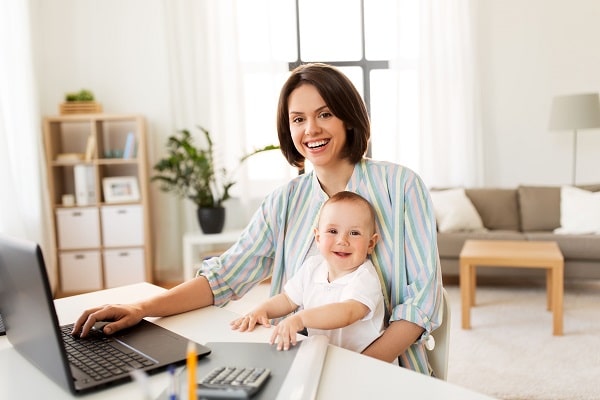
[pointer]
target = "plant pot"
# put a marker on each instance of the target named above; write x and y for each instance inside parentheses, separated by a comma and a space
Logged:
(211, 220)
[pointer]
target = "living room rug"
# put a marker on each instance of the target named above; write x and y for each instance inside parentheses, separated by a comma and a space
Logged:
(510, 352)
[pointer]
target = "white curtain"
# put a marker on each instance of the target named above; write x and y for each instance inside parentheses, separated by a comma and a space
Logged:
(23, 194)
(450, 130)
(208, 78)
(203, 64)
(205, 78)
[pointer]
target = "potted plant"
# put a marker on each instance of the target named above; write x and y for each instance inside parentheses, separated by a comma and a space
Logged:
(191, 172)
(81, 102)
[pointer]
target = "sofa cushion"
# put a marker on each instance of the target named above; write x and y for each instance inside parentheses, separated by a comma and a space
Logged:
(498, 208)
(573, 247)
(454, 211)
(579, 211)
(451, 243)
(539, 208)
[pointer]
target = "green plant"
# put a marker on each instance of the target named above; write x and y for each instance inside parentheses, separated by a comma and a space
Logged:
(191, 172)
(82, 95)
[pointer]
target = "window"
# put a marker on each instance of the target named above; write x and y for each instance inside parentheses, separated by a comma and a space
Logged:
(374, 42)
(336, 32)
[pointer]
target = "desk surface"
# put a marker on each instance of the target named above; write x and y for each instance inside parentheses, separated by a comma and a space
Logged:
(345, 374)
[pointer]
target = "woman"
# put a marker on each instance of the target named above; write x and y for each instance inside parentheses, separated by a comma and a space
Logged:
(322, 118)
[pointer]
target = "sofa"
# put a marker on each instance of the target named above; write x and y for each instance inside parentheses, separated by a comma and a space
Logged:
(568, 215)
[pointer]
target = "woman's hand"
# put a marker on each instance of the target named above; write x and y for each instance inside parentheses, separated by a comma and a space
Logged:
(121, 316)
(249, 321)
(285, 332)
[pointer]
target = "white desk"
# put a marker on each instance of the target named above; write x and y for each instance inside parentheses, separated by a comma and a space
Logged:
(346, 375)
(194, 242)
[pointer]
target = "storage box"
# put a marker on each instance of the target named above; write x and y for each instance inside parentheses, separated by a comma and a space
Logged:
(80, 271)
(123, 267)
(78, 228)
(122, 226)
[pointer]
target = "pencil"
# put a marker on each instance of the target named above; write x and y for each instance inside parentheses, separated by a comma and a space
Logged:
(191, 370)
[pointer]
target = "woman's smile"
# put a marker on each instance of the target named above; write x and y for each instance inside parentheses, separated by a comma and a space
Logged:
(316, 144)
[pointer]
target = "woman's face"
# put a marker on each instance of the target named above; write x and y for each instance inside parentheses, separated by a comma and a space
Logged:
(317, 134)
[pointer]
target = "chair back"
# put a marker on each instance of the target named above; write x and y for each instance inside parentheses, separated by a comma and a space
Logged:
(438, 357)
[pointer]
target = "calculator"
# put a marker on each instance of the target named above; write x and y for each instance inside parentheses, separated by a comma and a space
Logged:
(232, 382)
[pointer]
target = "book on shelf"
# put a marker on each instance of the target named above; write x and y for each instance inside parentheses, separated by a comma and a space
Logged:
(90, 147)
(85, 185)
(129, 150)
(70, 157)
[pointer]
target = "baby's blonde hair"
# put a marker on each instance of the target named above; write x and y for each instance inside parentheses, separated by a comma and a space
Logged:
(351, 197)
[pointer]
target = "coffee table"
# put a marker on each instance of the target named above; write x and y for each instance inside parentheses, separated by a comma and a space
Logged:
(513, 254)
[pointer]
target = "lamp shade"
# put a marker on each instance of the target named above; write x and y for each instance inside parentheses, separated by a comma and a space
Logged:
(578, 111)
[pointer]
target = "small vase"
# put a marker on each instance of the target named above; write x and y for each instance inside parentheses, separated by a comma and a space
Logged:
(212, 219)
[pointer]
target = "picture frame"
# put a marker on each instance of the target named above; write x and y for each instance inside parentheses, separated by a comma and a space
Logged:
(120, 189)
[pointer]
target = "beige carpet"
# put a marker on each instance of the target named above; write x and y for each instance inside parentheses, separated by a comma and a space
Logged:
(510, 352)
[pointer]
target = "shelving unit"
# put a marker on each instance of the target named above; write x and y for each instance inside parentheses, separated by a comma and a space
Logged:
(102, 239)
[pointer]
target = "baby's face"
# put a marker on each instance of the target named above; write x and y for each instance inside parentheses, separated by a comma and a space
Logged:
(345, 235)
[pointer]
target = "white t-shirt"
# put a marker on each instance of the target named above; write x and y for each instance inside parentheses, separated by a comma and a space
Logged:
(309, 288)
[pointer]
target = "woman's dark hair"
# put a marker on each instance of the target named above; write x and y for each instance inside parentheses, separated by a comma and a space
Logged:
(343, 101)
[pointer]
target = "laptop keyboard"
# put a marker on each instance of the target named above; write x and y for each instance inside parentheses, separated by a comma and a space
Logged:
(100, 356)
(2, 329)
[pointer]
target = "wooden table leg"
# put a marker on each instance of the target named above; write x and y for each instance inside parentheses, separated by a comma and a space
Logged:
(549, 289)
(473, 279)
(465, 294)
(557, 298)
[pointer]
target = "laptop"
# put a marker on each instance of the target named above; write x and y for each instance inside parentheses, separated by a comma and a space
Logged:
(31, 323)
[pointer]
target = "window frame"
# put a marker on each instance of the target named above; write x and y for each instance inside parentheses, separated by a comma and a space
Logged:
(363, 63)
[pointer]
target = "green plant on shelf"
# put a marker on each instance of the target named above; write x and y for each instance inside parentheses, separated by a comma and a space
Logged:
(82, 95)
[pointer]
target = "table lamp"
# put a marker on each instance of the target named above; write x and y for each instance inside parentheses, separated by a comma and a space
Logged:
(573, 113)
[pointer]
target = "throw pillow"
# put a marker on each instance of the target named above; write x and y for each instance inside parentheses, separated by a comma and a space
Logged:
(455, 212)
(579, 211)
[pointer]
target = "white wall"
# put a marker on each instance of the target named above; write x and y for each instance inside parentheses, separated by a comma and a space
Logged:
(116, 49)
(529, 51)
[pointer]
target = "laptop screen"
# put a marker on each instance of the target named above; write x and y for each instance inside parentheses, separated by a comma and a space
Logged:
(33, 328)
(27, 303)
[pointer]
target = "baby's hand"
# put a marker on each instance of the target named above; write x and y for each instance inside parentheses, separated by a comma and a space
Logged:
(285, 332)
(249, 321)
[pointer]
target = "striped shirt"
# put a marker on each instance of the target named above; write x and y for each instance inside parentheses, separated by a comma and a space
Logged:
(280, 236)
